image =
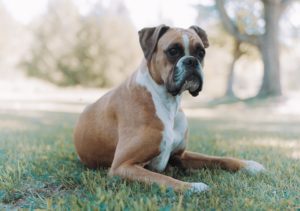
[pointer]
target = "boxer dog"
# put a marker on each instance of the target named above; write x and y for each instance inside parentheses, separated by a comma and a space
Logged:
(138, 128)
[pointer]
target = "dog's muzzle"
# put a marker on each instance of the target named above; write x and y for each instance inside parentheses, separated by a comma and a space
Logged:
(186, 75)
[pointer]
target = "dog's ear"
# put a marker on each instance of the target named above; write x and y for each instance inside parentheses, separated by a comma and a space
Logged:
(149, 37)
(202, 34)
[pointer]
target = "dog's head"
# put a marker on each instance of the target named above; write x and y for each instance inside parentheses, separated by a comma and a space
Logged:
(175, 57)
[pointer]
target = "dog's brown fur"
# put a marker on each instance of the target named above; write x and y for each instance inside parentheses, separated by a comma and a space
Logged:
(122, 131)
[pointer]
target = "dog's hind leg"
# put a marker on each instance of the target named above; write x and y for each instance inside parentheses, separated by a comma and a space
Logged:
(196, 160)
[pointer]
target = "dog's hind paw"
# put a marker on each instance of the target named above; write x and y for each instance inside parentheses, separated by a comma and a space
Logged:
(198, 187)
(253, 167)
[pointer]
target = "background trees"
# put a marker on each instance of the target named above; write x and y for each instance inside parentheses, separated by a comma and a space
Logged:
(100, 48)
(9, 42)
(95, 50)
(263, 36)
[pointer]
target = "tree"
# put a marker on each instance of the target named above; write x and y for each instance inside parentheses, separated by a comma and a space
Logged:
(95, 50)
(237, 53)
(54, 36)
(11, 46)
(266, 42)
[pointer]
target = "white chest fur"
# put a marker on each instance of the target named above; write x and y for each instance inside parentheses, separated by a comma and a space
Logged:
(174, 121)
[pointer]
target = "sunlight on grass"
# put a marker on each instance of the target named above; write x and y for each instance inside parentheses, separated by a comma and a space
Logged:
(39, 168)
(9, 123)
(290, 147)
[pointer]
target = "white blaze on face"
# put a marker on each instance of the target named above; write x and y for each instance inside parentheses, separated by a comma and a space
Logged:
(186, 44)
(179, 65)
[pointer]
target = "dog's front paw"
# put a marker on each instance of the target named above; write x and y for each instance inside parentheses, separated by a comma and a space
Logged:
(253, 167)
(198, 187)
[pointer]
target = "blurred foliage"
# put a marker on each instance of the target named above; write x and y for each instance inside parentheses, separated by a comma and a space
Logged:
(95, 50)
(247, 16)
(9, 41)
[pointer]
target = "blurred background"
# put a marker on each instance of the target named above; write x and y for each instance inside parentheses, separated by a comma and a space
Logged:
(57, 56)
(62, 54)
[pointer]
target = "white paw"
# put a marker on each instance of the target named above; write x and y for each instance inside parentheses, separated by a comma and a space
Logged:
(198, 187)
(253, 167)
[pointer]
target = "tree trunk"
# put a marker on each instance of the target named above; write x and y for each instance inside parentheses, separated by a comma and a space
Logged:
(230, 79)
(269, 49)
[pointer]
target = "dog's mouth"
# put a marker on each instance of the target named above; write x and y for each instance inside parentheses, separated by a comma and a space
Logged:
(193, 84)
(188, 81)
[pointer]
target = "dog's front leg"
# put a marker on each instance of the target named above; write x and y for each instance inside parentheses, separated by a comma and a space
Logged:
(196, 160)
(135, 172)
(138, 173)
(134, 151)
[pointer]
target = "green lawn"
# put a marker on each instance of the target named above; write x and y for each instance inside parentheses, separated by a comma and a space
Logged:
(39, 167)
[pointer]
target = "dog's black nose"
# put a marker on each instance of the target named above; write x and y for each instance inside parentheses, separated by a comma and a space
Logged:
(190, 62)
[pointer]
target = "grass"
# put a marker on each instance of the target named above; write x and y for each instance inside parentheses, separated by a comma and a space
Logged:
(39, 167)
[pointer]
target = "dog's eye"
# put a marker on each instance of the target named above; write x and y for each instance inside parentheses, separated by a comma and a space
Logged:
(173, 52)
(200, 53)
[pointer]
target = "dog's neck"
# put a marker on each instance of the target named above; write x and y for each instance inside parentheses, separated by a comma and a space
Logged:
(159, 93)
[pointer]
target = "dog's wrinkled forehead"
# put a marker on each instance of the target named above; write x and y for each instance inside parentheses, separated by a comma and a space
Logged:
(151, 38)
(185, 37)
